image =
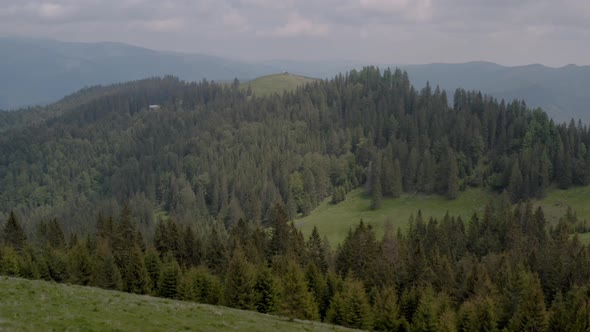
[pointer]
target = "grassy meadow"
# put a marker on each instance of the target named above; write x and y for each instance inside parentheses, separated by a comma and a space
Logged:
(33, 305)
(335, 220)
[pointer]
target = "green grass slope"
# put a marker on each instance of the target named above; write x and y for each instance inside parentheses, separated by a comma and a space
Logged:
(27, 305)
(335, 220)
(277, 83)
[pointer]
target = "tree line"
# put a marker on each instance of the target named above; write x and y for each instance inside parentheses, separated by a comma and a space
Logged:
(504, 270)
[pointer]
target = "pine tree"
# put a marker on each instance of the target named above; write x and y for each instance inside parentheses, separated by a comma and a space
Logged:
(376, 194)
(453, 177)
(239, 282)
(279, 243)
(80, 265)
(426, 317)
(217, 252)
(27, 265)
(9, 261)
(387, 311)
(187, 290)
(477, 314)
(57, 263)
(153, 265)
(295, 300)
(264, 291)
(208, 287)
(169, 278)
(55, 235)
(530, 313)
(105, 273)
(13, 234)
(396, 189)
(136, 277)
(316, 283)
(351, 307)
(410, 171)
(316, 250)
(515, 186)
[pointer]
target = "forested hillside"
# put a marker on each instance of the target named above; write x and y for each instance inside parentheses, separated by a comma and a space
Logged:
(214, 152)
(186, 191)
(504, 270)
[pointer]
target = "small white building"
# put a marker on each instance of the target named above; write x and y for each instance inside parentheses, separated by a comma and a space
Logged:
(154, 107)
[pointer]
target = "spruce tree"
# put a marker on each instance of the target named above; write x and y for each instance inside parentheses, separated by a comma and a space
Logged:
(169, 278)
(239, 282)
(136, 277)
(80, 264)
(350, 307)
(9, 261)
(265, 291)
(317, 251)
(295, 300)
(153, 265)
(13, 234)
(453, 177)
(105, 273)
(386, 310)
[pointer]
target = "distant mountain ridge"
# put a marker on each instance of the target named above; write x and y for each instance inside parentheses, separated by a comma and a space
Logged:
(40, 71)
(563, 92)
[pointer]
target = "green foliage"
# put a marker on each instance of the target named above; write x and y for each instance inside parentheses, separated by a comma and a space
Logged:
(169, 278)
(478, 314)
(239, 282)
(265, 291)
(136, 278)
(105, 272)
(80, 264)
(295, 300)
(13, 234)
(530, 313)
(153, 265)
(9, 261)
(387, 311)
(350, 307)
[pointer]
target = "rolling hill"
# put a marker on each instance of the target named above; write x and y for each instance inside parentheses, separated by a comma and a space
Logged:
(39, 71)
(33, 305)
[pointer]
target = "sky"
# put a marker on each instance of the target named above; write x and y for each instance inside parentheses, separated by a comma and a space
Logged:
(508, 32)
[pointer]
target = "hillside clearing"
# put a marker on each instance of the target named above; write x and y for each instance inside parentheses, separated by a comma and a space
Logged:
(335, 220)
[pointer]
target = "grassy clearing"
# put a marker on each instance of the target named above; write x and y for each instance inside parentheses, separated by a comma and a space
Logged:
(335, 220)
(27, 305)
(556, 203)
(276, 83)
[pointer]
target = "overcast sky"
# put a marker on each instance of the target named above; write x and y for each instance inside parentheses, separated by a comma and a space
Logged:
(509, 32)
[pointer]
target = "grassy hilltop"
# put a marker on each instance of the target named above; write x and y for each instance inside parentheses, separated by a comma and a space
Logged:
(27, 305)
(276, 83)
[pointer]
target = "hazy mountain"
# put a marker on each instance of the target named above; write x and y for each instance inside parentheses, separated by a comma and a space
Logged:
(564, 93)
(38, 71)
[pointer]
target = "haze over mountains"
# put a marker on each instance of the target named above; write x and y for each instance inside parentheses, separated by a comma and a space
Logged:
(40, 71)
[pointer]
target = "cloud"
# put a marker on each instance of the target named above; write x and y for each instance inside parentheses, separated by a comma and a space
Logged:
(300, 26)
(547, 31)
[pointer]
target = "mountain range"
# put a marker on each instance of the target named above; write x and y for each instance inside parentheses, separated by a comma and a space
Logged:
(41, 71)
